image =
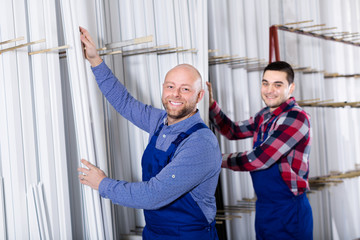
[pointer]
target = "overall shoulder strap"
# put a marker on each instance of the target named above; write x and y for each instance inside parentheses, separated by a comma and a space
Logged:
(183, 136)
(159, 129)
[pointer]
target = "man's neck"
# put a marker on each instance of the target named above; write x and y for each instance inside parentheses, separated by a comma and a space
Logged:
(171, 121)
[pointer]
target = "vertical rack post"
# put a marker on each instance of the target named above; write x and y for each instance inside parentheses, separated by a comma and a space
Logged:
(274, 44)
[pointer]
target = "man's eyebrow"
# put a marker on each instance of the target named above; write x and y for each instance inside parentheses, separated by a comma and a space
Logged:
(182, 85)
(168, 82)
(277, 82)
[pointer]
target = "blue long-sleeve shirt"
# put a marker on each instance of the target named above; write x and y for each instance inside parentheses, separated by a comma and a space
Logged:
(194, 168)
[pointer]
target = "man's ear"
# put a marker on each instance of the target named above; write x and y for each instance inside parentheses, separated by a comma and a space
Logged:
(200, 95)
(292, 88)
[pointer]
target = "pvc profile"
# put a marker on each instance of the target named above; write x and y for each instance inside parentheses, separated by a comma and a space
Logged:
(317, 35)
(21, 46)
(12, 40)
(49, 50)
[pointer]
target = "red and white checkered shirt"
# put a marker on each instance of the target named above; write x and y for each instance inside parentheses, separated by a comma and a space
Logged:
(288, 142)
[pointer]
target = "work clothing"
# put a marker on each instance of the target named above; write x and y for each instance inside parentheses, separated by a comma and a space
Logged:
(288, 142)
(194, 167)
(279, 167)
(181, 219)
(279, 214)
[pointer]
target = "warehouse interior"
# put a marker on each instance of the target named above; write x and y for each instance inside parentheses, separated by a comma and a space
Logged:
(52, 113)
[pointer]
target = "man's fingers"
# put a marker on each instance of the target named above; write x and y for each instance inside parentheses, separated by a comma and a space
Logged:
(88, 165)
(209, 88)
(85, 41)
(86, 36)
(88, 39)
(82, 30)
(84, 170)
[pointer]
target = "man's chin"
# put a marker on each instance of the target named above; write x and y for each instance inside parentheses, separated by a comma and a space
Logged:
(176, 116)
(272, 105)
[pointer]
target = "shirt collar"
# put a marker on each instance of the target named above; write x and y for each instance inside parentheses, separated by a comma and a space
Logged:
(183, 125)
(283, 106)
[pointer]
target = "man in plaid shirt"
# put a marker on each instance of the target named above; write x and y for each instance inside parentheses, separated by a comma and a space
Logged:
(279, 161)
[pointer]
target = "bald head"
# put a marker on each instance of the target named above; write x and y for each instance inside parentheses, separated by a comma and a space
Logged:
(186, 71)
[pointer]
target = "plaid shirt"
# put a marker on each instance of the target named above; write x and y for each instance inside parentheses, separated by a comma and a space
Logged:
(288, 142)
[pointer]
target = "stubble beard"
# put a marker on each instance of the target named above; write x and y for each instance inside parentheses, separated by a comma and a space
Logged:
(274, 104)
(180, 113)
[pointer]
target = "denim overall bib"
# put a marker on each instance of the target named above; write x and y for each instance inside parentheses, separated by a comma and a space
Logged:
(279, 214)
(181, 219)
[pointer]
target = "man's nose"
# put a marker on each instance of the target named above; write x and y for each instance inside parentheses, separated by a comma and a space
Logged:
(270, 88)
(177, 92)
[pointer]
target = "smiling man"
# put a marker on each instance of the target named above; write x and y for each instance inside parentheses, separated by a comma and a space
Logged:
(279, 160)
(181, 163)
(181, 93)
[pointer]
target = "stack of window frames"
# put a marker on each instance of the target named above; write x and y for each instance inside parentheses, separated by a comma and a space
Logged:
(33, 162)
(55, 113)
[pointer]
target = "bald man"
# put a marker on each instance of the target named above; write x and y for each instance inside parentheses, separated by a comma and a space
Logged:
(180, 165)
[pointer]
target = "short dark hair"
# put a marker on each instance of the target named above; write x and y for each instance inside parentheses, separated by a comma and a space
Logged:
(282, 67)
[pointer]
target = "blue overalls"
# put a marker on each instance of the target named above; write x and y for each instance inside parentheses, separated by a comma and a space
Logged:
(279, 214)
(181, 219)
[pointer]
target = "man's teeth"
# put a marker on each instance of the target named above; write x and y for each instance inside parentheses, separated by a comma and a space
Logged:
(175, 103)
